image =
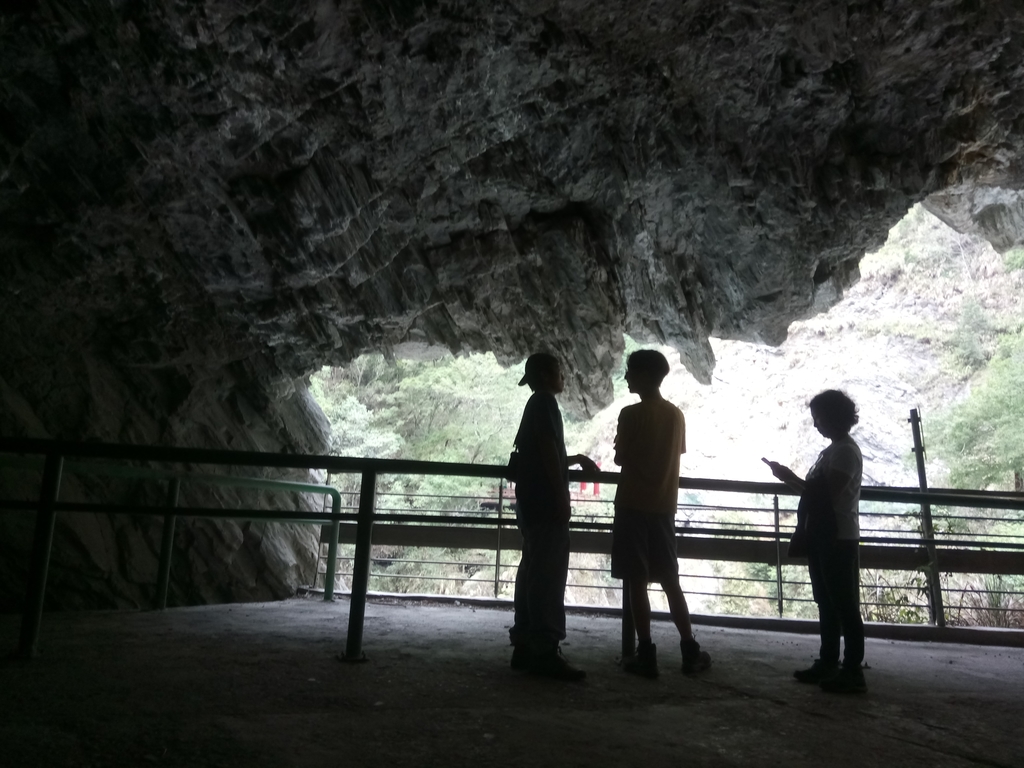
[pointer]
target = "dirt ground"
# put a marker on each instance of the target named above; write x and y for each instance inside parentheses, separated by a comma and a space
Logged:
(260, 685)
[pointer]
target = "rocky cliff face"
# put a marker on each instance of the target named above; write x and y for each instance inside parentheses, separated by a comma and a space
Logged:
(200, 203)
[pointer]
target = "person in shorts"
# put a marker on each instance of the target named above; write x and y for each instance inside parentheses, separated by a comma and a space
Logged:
(651, 436)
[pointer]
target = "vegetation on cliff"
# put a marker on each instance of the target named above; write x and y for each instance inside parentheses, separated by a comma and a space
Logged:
(936, 323)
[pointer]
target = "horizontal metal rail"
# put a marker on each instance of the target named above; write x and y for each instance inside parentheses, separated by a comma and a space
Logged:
(170, 516)
(354, 465)
(894, 554)
(27, 646)
(744, 544)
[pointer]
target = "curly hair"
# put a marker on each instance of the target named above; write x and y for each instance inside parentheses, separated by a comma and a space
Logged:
(835, 408)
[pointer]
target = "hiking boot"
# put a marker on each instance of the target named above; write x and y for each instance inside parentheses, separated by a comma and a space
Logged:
(521, 657)
(817, 672)
(554, 665)
(847, 680)
(694, 659)
(644, 663)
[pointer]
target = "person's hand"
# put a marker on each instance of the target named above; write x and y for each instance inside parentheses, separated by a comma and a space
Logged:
(586, 463)
(783, 473)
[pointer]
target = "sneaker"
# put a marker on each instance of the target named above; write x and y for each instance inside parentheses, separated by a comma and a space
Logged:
(818, 671)
(554, 665)
(521, 657)
(694, 659)
(644, 663)
(847, 680)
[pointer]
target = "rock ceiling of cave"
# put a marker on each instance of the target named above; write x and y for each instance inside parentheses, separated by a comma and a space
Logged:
(188, 188)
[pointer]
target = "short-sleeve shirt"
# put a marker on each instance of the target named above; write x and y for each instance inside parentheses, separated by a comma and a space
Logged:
(651, 436)
(542, 421)
(843, 459)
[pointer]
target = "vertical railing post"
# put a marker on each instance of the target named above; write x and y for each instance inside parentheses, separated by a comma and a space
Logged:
(497, 548)
(332, 548)
(628, 627)
(778, 555)
(932, 573)
(361, 567)
(42, 542)
(320, 541)
(167, 546)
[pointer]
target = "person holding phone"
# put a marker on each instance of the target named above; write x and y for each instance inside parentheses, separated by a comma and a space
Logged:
(830, 527)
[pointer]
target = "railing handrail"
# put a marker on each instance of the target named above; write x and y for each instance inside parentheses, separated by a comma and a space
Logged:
(143, 473)
(57, 452)
(342, 464)
(53, 461)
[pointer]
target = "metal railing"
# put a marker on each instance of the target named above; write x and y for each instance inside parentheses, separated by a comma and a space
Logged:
(723, 535)
(56, 455)
(702, 539)
(174, 481)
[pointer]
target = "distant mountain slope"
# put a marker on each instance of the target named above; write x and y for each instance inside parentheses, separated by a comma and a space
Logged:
(912, 333)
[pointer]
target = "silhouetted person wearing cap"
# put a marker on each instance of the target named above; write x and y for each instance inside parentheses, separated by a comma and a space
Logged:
(542, 512)
(651, 436)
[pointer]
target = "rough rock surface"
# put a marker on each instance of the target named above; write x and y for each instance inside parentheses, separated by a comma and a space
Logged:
(202, 202)
(992, 212)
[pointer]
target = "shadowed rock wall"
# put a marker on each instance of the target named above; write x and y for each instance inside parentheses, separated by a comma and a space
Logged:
(200, 203)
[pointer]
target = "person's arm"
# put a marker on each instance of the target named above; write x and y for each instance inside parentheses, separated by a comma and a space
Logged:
(622, 447)
(787, 475)
(585, 463)
(841, 476)
(839, 483)
(548, 453)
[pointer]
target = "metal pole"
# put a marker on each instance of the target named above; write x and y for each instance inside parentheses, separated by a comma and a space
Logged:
(167, 546)
(932, 572)
(39, 565)
(497, 549)
(778, 554)
(332, 548)
(320, 542)
(361, 568)
(628, 627)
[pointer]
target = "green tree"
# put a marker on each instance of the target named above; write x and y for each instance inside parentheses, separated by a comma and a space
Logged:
(971, 338)
(454, 409)
(1014, 259)
(353, 430)
(982, 438)
(463, 409)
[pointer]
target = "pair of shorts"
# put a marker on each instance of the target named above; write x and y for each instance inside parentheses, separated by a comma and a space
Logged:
(644, 547)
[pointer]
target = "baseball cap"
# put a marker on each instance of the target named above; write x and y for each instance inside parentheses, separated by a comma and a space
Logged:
(536, 365)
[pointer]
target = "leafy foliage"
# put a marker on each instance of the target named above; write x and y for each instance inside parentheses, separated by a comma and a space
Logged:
(1014, 259)
(981, 438)
(990, 600)
(929, 283)
(458, 409)
(462, 409)
(968, 343)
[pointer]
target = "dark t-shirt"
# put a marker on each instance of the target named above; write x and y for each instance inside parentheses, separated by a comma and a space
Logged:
(541, 421)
